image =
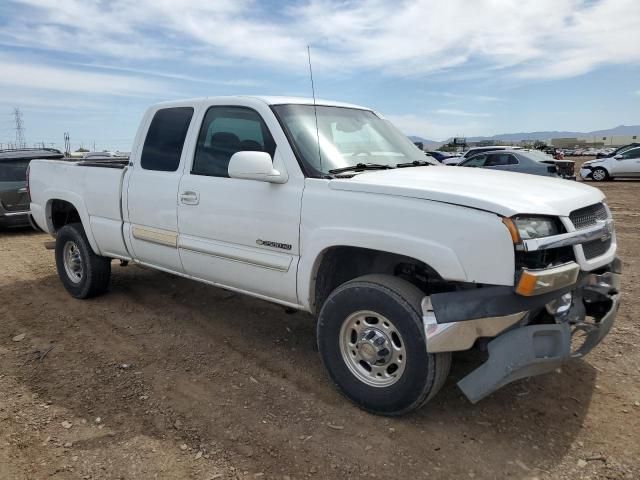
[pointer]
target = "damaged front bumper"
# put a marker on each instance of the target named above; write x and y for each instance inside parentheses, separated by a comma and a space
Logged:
(523, 339)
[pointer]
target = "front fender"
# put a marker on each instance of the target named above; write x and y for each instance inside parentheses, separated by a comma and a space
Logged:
(439, 257)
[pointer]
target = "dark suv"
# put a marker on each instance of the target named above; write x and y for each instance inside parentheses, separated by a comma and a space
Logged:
(14, 198)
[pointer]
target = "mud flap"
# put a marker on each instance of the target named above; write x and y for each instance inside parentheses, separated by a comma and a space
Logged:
(519, 353)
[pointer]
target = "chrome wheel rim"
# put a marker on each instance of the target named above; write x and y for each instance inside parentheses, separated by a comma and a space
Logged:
(72, 262)
(372, 348)
(598, 175)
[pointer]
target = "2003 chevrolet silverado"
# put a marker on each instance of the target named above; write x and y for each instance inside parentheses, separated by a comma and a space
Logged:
(329, 209)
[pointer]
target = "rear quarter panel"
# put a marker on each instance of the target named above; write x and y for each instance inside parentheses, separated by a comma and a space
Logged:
(95, 193)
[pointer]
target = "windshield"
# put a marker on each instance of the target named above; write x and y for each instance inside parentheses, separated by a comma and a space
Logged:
(348, 137)
(540, 156)
(14, 171)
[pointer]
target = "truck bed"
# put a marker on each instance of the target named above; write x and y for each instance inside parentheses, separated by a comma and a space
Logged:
(96, 192)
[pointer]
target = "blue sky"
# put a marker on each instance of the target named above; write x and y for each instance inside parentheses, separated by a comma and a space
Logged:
(435, 68)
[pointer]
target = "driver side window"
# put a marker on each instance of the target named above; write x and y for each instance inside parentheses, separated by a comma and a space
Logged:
(635, 153)
(476, 161)
(225, 131)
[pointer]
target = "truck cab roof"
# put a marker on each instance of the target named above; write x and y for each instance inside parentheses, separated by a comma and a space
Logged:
(269, 100)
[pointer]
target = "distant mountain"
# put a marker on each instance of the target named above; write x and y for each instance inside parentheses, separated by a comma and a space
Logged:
(545, 135)
(426, 142)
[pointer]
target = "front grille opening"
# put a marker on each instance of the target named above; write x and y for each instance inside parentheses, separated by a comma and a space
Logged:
(596, 248)
(588, 216)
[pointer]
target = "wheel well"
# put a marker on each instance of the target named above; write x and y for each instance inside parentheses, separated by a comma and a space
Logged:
(63, 213)
(341, 264)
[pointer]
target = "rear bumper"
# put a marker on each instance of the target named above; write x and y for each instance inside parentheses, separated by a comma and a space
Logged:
(519, 345)
(14, 219)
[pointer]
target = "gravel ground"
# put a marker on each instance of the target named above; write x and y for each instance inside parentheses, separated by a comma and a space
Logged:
(166, 378)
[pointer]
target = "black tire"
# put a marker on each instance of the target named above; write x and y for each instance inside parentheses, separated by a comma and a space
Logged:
(96, 270)
(392, 298)
(599, 174)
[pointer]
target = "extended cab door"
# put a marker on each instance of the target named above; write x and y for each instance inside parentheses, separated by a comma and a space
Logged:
(627, 163)
(239, 233)
(152, 190)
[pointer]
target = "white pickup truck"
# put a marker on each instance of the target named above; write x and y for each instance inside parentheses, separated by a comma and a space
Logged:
(329, 209)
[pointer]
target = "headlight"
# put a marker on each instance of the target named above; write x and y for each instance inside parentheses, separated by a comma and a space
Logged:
(527, 227)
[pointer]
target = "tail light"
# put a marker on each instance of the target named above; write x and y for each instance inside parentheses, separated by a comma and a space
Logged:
(27, 186)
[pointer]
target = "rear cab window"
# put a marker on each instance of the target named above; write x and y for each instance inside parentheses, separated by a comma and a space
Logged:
(165, 139)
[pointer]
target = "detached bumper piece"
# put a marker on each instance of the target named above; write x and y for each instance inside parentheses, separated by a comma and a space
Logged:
(519, 353)
(521, 349)
(533, 350)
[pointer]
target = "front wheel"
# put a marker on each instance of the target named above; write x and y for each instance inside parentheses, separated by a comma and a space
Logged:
(371, 339)
(600, 174)
(83, 273)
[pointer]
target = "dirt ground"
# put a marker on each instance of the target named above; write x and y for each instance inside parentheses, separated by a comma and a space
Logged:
(166, 378)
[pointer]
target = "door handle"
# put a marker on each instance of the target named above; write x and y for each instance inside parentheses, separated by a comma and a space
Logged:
(23, 190)
(189, 197)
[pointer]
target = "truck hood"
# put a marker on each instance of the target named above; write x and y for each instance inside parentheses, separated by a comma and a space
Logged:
(504, 193)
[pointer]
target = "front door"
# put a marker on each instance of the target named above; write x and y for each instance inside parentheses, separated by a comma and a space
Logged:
(238, 233)
(153, 190)
(628, 164)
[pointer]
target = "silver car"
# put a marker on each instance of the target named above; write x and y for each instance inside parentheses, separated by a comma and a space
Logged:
(521, 161)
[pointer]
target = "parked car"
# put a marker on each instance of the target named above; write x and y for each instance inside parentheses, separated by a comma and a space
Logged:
(613, 152)
(402, 261)
(564, 168)
(626, 164)
(14, 199)
(514, 161)
(104, 155)
(475, 151)
(554, 152)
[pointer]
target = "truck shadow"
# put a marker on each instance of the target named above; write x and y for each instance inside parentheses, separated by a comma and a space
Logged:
(210, 366)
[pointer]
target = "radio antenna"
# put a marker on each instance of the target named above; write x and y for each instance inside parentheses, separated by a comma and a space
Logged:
(315, 107)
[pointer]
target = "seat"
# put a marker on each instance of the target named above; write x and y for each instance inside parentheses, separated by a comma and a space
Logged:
(250, 146)
(214, 160)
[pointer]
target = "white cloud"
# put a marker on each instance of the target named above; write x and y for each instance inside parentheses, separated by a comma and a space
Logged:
(460, 113)
(541, 39)
(411, 124)
(44, 77)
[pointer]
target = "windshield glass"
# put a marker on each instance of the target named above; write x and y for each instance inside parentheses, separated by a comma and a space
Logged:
(14, 171)
(348, 136)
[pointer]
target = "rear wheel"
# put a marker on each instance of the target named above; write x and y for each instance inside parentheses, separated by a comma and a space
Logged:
(371, 339)
(600, 174)
(83, 273)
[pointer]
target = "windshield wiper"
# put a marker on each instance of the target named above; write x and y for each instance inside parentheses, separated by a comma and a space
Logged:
(361, 166)
(415, 163)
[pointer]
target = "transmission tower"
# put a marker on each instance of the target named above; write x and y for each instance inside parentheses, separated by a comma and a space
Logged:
(20, 141)
(67, 144)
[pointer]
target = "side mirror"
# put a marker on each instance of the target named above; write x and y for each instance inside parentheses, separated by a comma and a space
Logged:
(254, 166)
(618, 157)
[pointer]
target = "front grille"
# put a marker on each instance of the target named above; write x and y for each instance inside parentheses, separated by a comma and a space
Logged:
(595, 248)
(588, 216)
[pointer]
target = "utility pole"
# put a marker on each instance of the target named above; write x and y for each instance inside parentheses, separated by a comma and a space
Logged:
(67, 144)
(20, 141)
